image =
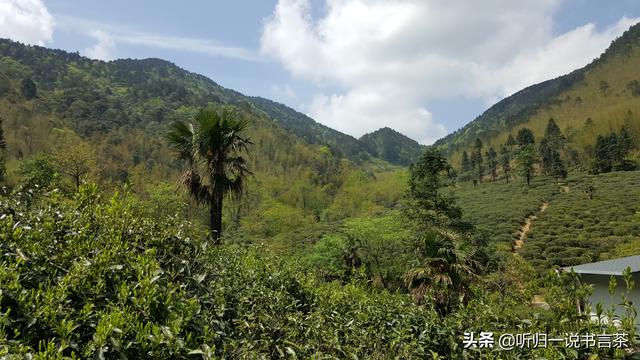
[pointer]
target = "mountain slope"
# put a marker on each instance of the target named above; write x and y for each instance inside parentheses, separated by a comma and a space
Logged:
(392, 146)
(130, 92)
(113, 117)
(312, 131)
(606, 91)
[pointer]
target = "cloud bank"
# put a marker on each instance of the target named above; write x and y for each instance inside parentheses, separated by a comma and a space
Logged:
(27, 21)
(108, 36)
(392, 57)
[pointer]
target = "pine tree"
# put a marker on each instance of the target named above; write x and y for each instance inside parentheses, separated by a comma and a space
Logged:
(505, 160)
(3, 153)
(554, 136)
(546, 156)
(558, 169)
(525, 137)
(625, 141)
(492, 161)
(28, 89)
(550, 149)
(479, 167)
(615, 155)
(511, 142)
(602, 155)
(466, 163)
(526, 158)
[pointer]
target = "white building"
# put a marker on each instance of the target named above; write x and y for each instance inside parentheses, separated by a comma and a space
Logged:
(598, 275)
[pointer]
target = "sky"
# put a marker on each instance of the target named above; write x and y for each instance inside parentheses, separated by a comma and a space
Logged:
(422, 67)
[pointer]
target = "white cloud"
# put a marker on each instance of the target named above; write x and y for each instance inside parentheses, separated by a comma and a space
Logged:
(27, 21)
(109, 36)
(394, 56)
(104, 47)
(284, 91)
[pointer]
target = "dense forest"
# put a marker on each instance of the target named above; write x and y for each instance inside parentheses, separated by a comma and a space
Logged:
(147, 212)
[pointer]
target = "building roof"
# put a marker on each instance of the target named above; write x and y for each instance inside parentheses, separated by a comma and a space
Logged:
(608, 267)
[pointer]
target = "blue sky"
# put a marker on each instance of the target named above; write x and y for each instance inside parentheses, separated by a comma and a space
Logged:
(422, 67)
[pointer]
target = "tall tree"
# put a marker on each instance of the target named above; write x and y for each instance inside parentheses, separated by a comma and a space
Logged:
(625, 141)
(550, 149)
(465, 162)
(3, 153)
(492, 161)
(525, 137)
(553, 134)
(479, 166)
(602, 155)
(446, 259)
(75, 160)
(449, 265)
(558, 170)
(73, 156)
(28, 88)
(546, 155)
(511, 142)
(428, 204)
(212, 147)
(505, 161)
(526, 158)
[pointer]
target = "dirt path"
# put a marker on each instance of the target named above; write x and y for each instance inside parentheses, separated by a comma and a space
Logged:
(526, 228)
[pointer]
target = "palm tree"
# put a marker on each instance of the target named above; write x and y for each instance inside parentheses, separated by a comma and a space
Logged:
(212, 147)
(446, 270)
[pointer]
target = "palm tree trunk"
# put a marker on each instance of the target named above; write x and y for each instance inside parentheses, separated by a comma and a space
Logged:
(215, 217)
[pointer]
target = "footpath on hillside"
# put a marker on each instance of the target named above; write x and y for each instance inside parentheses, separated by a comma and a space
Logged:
(526, 227)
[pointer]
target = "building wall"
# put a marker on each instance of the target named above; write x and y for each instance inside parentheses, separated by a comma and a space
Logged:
(601, 292)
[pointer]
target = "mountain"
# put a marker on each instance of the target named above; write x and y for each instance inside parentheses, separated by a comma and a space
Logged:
(129, 92)
(111, 119)
(596, 99)
(312, 131)
(392, 146)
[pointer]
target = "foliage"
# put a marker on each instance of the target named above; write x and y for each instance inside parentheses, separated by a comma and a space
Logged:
(3, 153)
(525, 160)
(87, 277)
(428, 203)
(391, 146)
(443, 275)
(525, 137)
(213, 149)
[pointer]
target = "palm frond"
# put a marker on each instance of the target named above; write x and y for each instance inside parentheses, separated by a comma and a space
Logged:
(181, 138)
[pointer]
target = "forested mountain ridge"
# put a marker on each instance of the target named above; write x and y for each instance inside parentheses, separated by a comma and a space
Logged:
(392, 146)
(596, 99)
(69, 119)
(129, 92)
(310, 130)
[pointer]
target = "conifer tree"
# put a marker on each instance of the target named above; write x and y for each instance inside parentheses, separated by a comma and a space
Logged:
(505, 161)
(479, 166)
(492, 161)
(3, 153)
(466, 163)
(525, 137)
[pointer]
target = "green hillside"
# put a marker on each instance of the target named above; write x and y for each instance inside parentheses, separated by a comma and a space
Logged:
(390, 145)
(312, 131)
(573, 229)
(142, 92)
(112, 117)
(597, 99)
